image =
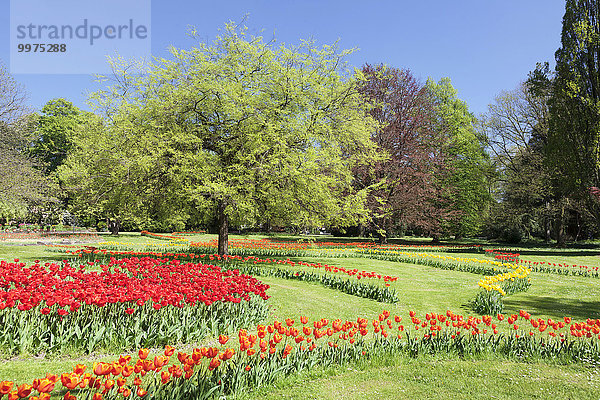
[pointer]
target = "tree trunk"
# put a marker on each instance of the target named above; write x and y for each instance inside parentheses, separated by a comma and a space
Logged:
(560, 228)
(223, 228)
(267, 228)
(547, 229)
(380, 230)
(578, 226)
(114, 226)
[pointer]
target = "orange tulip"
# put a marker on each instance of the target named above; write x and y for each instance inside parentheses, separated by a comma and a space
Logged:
(116, 368)
(6, 387)
(79, 369)
(70, 381)
(143, 353)
(24, 390)
(197, 356)
(127, 370)
(169, 350)
(227, 354)
(124, 360)
(69, 396)
(160, 361)
(214, 363)
(176, 371)
(212, 352)
(141, 392)
(102, 368)
(223, 339)
(182, 357)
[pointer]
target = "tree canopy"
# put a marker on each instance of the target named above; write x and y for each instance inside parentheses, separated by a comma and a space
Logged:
(407, 191)
(55, 127)
(239, 129)
(22, 184)
(468, 163)
(574, 136)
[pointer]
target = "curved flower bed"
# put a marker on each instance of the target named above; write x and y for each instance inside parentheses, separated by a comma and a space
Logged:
(131, 302)
(545, 266)
(257, 357)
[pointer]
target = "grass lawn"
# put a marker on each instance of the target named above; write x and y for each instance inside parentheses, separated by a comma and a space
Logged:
(439, 377)
(420, 288)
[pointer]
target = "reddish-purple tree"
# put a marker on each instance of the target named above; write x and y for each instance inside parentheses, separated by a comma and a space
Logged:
(407, 191)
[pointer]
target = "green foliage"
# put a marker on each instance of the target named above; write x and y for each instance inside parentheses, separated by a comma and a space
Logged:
(516, 126)
(488, 302)
(575, 102)
(110, 328)
(56, 125)
(468, 181)
(109, 178)
(22, 185)
(258, 131)
(346, 285)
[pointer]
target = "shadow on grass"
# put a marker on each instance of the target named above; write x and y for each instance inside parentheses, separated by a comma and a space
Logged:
(544, 305)
(557, 253)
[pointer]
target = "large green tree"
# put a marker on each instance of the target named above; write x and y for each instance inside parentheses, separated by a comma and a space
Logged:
(113, 174)
(246, 129)
(516, 127)
(22, 185)
(574, 134)
(58, 121)
(468, 163)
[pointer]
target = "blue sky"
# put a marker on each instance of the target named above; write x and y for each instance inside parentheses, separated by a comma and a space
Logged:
(484, 46)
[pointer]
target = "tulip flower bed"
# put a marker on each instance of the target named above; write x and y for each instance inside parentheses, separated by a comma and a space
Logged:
(251, 265)
(328, 268)
(172, 237)
(489, 300)
(271, 248)
(352, 287)
(131, 302)
(88, 254)
(271, 351)
(92, 253)
(494, 286)
(472, 265)
(545, 266)
(262, 267)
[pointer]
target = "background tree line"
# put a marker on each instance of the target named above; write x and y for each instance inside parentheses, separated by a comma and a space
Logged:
(242, 133)
(544, 137)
